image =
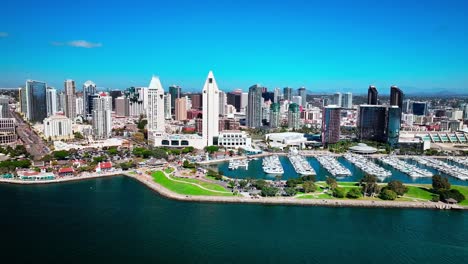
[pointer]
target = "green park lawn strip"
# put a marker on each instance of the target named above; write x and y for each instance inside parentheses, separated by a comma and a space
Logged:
(183, 188)
(211, 186)
(464, 191)
(418, 192)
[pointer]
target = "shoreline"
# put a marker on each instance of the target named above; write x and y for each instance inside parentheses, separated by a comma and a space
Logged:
(147, 181)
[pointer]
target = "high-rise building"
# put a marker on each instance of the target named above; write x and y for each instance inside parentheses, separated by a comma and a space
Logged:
(277, 94)
(181, 109)
(114, 94)
(275, 115)
(254, 106)
(122, 107)
(89, 92)
(4, 102)
(51, 98)
(347, 101)
(268, 96)
(102, 119)
(222, 103)
(8, 134)
(58, 127)
(70, 97)
(372, 123)
(79, 106)
(167, 106)
(61, 101)
(210, 125)
(407, 106)
(394, 124)
(287, 93)
(297, 100)
(303, 94)
(176, 92)
(372, 96)
(36, 101)
(234, 99)
(419, 108)
(396, 96)
(155, 110)
(294, 116)
(337, 99)
(331, 122)
(465, 112)
(244, 102)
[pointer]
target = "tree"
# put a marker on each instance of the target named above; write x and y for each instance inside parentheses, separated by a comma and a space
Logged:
(397, 186)
(98, 159)
(159, 153)
(259, 184)
(243, 184)
(453, 193)
(211, 149)
(290, 191)
(61, 154)
(78, 135)
(139, 137)
(231, 184)
(331, 182)
(269, 191)
(112, 151)
(370, 185)
(339, 192)
(388, 194)
(440, 183)
(309, 186)
(354, 193)
(292, 182)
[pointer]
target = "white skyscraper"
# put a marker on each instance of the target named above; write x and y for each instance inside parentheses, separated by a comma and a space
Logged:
(102, 119)
(70, 97)
(79, 106)
(210, 124)
(222, 102)
(243, 102)
(347, 101)
(167, 106)
(277, 94)
(337, 99)
(51, 97)
(155, 109)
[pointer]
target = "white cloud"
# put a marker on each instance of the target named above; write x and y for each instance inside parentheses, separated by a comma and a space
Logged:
(83, 44)
(3, 34)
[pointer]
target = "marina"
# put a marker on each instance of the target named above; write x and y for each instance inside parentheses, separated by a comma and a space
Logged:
(444, 167)
(239, 163)
(300, 164)
(462, 161)
(409, 169)
(333, 166)
(272, 165)
(367, 166)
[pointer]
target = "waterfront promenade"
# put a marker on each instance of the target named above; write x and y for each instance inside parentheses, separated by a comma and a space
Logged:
(148, 181)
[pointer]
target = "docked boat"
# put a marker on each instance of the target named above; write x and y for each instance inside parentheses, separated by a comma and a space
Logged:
(235, 164)
(300, 164)
(333, 166)
(405, 167)
(444, 167)
(272, 165)
(367, 166)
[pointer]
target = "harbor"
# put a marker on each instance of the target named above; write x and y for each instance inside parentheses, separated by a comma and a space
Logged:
(405, 167)
(459, 160)
(333, 166)
(367, 165)
(272, 165)
(444, 167)
(300, 164)
(234, 164)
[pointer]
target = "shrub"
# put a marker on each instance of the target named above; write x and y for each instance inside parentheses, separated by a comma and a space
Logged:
(339, 192)
(435, 198)
(453, 193)
(388, 194)
(354, 193)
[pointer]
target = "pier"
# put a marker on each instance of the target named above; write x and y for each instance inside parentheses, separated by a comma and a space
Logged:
(367, 165)
(405, 167)
(333, 166)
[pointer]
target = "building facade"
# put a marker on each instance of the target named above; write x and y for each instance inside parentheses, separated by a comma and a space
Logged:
(347, 101)
(155, 110)
(36, 102)
(372, 96)
(89, 90)
(234, 140)
(331, 124)
(302, 92)
(8, 134)
(70, 97)
(58, 127)
(181, 109)
(294, 116)
(210, 128)
(102, 118)
(254, 106)
(275, 115)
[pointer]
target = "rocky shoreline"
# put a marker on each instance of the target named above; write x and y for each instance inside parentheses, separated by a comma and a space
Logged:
(148, 181)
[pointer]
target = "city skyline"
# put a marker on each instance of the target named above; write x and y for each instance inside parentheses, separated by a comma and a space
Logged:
(314, 45)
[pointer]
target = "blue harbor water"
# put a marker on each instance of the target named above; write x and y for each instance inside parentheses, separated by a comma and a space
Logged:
(118, 220)
(255, 171)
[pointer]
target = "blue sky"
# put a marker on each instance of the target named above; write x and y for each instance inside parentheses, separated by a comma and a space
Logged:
(326, 46)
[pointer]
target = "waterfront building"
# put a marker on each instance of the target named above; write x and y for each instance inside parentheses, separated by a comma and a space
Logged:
(89, 92)
(394, 124)
(51, 98)
(175, 91)
(102, 119)
(58, 127)
(70, 97)
(4, 106)
(254, 106)
(36, 102)
(167, 106)
(372, 96)
(234, 140)
(8, 134)
(181, 109)
(155, 110)
(396, 96)
(222, 103)
(210, 110)
(287, 93)
(336, 99)
(419, 108)
(303, 94)
(294, 116)
(122, 106)
(347, 101)
(331, 123)
(372, 123)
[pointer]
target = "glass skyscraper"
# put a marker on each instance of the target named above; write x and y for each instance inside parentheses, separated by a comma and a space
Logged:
(331, 122)
(254, 106)
(36, 100)
(393, 128)
(372, 96)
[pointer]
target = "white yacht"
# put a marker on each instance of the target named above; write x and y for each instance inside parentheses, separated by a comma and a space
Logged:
(300, 164)
(272, 165)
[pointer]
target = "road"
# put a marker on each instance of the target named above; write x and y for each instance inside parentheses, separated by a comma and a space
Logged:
(31, 141)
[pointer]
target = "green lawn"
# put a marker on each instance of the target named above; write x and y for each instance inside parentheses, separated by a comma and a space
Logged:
(418, 192)
(211, 186)
(169, 170)
(464, 191)
(183, 188)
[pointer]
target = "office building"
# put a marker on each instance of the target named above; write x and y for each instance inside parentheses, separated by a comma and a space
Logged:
(393, 125)
(407, 106)
(167, 107)
(181, 109)
(336, 99)
(196, 100)
(372, 96)
(419, 108)
(210, 123)
(70, 97)
(234, 99)
(275, 115)
(297, 100)
(396, 96)
(277, 95)
(303, 94)
(347, 101)
(294, 116)
(58, 127)
(372, 123)
(155, 110)
(244, 102)
(79, 106)
(4, 106)
(51, 97)
(8, 134)
(102, 119)
(36, 101)
(122, 106)
(331, 123)
(287, 93)
(222, 103)
(89, 92)
(176, 92)
(254, 106)
(115, 94)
